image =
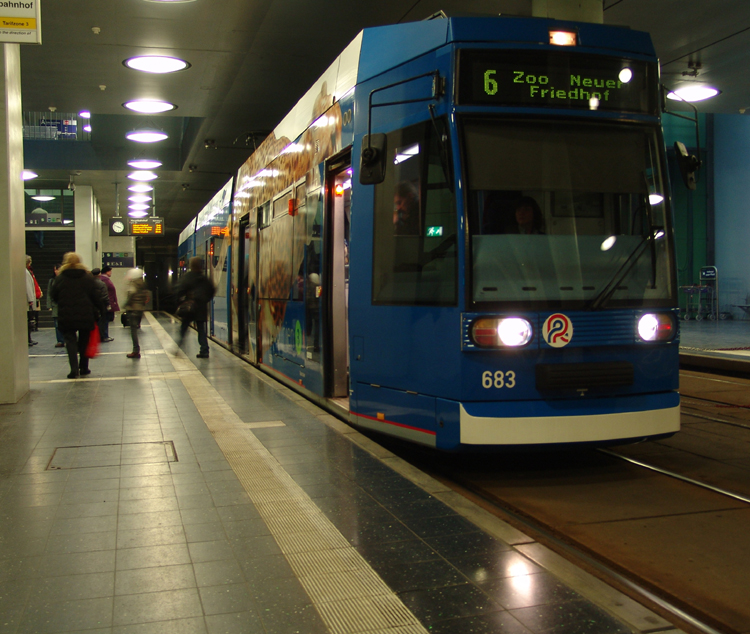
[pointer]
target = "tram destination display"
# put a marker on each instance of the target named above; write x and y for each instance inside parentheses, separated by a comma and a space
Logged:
(558, 80)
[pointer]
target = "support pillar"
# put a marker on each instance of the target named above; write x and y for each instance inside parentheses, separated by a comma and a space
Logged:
(88, 227)
(14, 369)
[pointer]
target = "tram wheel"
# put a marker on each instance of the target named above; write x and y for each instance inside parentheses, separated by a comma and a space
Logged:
(699, 317)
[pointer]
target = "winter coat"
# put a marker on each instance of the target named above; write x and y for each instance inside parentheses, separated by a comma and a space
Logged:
(101, 287)
(51, 303)
(200, 289)
(78, 299)
(113, 305)
(137, 297)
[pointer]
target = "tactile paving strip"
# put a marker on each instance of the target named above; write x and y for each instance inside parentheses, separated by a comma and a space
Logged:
(349, 596)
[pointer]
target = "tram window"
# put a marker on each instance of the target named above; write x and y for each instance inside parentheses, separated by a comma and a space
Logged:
(414, 236)
(265, 215)
(602, 236)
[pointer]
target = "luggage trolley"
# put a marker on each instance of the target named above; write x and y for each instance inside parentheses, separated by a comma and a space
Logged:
(703, 298)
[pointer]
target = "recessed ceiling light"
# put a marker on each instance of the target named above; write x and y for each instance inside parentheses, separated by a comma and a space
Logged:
(141, 175)
(138, 207)
(156, 64)
(84, 114)
(146, 136)
(142, 187)
(139, 198)
(149, 106)
(43, 199)
(28, 175)
(137, 214)
(693, 93)
(144, 164)
(87, 128)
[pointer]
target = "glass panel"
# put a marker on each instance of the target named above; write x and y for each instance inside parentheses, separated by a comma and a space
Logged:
(415, 223)
(571, 215)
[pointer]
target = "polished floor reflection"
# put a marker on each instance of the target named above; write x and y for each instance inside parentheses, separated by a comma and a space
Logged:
(175, 494)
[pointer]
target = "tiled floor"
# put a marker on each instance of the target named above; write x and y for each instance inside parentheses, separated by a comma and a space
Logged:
(178, 495)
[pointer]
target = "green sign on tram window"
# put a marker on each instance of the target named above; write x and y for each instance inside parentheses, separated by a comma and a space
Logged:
(434, 232)
(559, 79)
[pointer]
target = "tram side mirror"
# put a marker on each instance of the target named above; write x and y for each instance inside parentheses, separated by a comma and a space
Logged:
(687, 163)
(372, 159)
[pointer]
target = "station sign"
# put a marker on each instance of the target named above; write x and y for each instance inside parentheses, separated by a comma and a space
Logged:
(117, 260)
(21, 21)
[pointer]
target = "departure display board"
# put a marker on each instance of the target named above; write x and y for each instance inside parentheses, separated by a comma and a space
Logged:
(557, 79)
(150, 226)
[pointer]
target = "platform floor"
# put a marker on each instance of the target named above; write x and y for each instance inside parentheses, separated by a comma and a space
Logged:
(176, 495)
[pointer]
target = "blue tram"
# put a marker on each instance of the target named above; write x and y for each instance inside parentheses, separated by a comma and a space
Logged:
(461, 236)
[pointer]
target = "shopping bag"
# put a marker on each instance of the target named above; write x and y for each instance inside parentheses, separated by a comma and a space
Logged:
(186, 309)
(92, 349)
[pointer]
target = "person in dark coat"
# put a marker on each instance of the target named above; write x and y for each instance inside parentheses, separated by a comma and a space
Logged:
(114, 306)
(79, 304)
(196, 288)
(52, 305)
(102, 321)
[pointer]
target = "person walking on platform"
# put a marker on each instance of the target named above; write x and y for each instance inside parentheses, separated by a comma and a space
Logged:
(34, 310)
(79, 302)
(135, 304)
(195, 290)
(114, 307)
(102, 319)
(30, 301)
(52, 305)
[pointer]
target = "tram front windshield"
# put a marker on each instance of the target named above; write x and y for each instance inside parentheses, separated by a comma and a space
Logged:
(567, 215)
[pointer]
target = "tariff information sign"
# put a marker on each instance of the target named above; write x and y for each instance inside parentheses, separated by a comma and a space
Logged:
(119, 260)
(20, 21)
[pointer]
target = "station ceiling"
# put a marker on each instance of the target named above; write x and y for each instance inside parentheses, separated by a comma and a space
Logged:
(251, 60)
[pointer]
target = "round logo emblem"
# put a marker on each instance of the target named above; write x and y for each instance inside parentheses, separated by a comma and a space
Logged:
(557, 330)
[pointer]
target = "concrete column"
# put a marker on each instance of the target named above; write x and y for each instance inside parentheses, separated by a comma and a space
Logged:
(88, 222)
(577, 10)
(14, 370)
(118, 244)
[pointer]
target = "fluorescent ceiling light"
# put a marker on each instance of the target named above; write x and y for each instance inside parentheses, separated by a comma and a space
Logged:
(137, 214)
(693, 93)
(28, 175)
(146, 136)
(142, 175)
(149, 106)
(84, 114)
(138, 207)
(139, 198)
(141, 187)
(43, 199)
(144, 164)
(156, 64)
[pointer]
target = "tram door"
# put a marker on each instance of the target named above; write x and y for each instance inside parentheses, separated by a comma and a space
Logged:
(247, 305)
(338, 194)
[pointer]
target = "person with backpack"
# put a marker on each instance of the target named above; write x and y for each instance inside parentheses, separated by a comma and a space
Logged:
(194, 291)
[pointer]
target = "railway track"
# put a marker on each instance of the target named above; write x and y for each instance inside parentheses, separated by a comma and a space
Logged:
(665, 521)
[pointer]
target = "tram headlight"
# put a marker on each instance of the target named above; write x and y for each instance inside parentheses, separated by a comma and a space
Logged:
(656, 327)
(499, 332)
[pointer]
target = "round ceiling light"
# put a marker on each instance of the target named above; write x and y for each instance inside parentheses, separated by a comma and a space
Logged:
(27, 175)
(156, 64)
(142, 175)
(137, 214)
(149, 106)
(172, 1)
(144, 164)
(84, 114)
(146, 136)
(695, 92)
(141, 188)
(87, 128)
(138, 207)
(43, 199)
(139, 198)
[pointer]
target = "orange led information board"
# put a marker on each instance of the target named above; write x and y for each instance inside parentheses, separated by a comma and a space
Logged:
(147, 226)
